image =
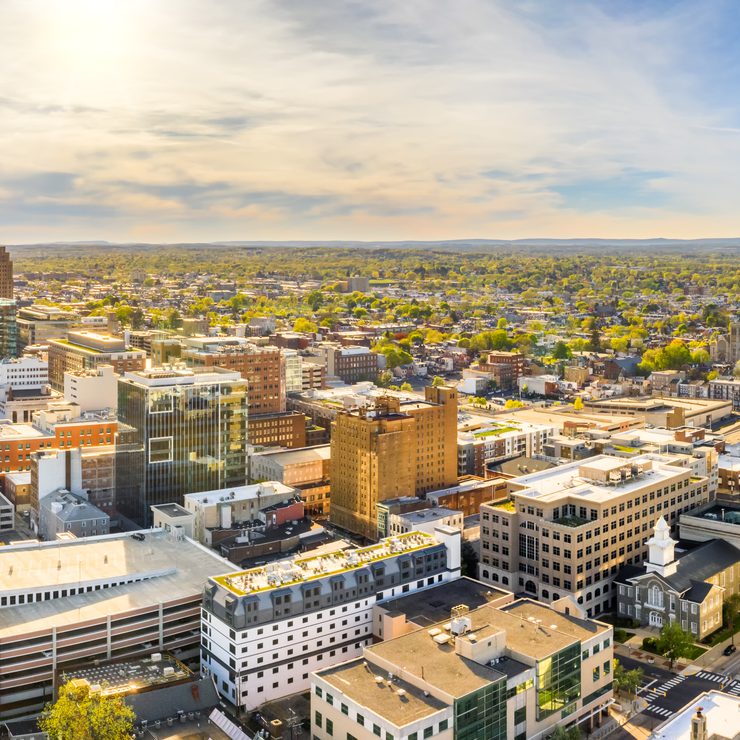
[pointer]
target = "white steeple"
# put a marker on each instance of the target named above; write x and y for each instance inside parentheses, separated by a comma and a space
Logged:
(661, 555)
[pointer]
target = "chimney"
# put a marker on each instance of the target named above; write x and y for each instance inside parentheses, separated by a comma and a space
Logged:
(699, 725)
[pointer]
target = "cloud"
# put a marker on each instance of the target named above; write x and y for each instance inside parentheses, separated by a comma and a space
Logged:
(347, 119)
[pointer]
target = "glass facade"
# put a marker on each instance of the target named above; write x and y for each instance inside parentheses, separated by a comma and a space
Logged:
(8, 330)
(558, 681)
(181, 438)
(482, 714)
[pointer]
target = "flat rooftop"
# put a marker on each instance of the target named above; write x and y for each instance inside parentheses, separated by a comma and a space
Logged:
(173, 569)
(297, 456)
(553, 484)
(241, 493)
(131, 675)
(357, 680)
(289, 571)
(172, 510)
(10, 431)
(432, 605)
(721, 711)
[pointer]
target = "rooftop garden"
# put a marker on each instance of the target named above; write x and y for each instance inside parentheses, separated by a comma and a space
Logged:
(571, 521)
(494, 432)
(506, 505)
(624, 448)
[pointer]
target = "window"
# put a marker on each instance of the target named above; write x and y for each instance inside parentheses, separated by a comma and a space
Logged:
(520, 715)
(329, 727)
(428, 731)
(160, 449)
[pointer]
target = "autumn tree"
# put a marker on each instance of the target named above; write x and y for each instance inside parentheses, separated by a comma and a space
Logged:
(80, 713)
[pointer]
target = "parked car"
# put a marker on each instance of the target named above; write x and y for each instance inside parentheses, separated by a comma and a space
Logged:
(729, 650)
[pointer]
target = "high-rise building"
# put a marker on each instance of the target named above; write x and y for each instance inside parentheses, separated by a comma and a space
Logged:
(8, 329)
(262, 367)
(6, 274)
(392, 449)
(265, 629)
(85, 350)
(186, 432)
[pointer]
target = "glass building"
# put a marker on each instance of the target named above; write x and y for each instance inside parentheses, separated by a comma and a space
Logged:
(558, 681)
(182, 431)
(8, 330)
(482, 713)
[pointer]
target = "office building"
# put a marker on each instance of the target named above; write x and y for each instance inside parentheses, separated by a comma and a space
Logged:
(262, 367)
(39, 324)
(103, 598)
(306, 469)
(568, 530)
(293, 370)
(688, 587)
(24, 373)
(18, 490)
(350, 364)
(86, 350)
(281, 429)
(7, 514)
(501, 671)
(188, 433)
(6, 275)
(266, 629)
(67, 513)
(389, 450)
(8, 329)
(92, 390)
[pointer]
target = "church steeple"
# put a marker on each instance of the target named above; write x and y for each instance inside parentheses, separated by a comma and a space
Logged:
(661, 550)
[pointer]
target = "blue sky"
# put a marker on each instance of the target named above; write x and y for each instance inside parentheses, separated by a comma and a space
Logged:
(172, 120)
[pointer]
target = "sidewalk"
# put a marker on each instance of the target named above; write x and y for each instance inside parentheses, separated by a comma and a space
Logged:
(637, 653)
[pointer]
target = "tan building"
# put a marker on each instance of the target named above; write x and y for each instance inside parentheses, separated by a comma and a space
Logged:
(262, 367)
(568, 530)
(392, 449)
(279, 429)
(665, 412)
(6, 274)
(86, 350)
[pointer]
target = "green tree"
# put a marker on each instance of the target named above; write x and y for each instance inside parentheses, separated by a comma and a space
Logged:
(561, 351)
(578, 404)
(79, 713)
(731, 609)
(674, 642)
(437, 381)
(626, 681)
(468, 560)
(406, 386)
(570, 733)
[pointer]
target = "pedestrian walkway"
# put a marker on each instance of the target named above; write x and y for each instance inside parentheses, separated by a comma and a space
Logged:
(653, 694)
(660, 711)
(709, 676)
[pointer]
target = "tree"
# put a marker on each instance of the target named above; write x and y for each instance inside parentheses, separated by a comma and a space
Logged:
(81, 713)
(578, 404)
(304, 325)
(627, 681)
(561, 733)
(731, 609)
(406, 386)
(437, 381)
(561, 351)
(674, 642)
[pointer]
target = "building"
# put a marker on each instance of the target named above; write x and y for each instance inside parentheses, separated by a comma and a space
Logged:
(666, 412)
(725, 389)
(713, 521)
(262, 367)
(684, 587)
(92, 390)
(38, 324)
(8, 328)
(424, 520)
(85, 350)
(18, 490)
(189, 433)
(266, 629)
(174, 518)
(501, 671)
(217, 513)
(67, 513)
(350, 364)
(726, 347)
(469, 493)
(24, 373)
(313, 375)
(710, 716)
(6, 275)
(23, 404)
(280, 429)
(394, 449)
(568, 530)
(306, 469)
(104, 598)
(7, 514)
(504, 368)
(293, 370)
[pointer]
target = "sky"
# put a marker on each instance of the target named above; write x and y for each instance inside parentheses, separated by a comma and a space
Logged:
(212, 120)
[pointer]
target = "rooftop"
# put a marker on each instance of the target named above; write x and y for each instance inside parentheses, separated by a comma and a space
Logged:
(172, 510)
(241, 493)
(170, 568)
(286, 572)
(721, 711)
(297, 456)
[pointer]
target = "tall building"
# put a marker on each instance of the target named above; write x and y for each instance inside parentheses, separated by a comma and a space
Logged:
(392, 449)
(39, 324)
(568, 530)
(86, 350)
(8, 329)
(502, 671)
(6, 274)
(265, 629)
(350, 364)
(262, 367)
(187, 432)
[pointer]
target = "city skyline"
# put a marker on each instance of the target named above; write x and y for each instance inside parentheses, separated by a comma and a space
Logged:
(190, 121)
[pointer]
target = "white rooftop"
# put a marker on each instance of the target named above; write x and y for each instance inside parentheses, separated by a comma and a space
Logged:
(722, 712)
(240, 493)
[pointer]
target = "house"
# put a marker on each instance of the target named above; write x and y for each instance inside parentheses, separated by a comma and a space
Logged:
(686, 587)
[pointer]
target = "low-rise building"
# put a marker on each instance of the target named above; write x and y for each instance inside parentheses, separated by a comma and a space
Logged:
(67, 513)
(684, 587)
(7, 514)
(514, 670)
(424, 520)
(709, 716)
(266, 629)
(92, 390)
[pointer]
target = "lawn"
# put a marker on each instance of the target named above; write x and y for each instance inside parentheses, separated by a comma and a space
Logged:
(691, 654)
(621, 635)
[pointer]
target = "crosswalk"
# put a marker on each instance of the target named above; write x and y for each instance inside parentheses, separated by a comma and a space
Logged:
(660, 711)
(709, 676)
(653, 694)
(656, 694)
